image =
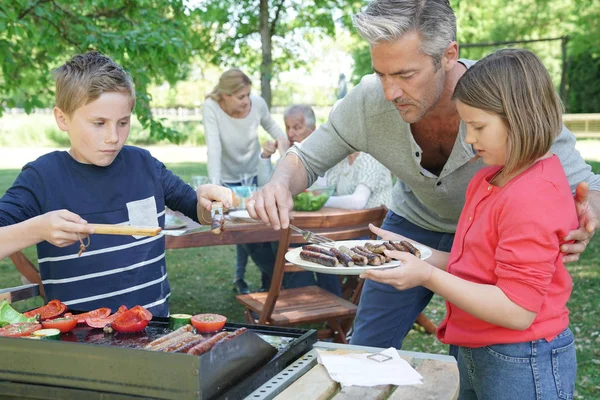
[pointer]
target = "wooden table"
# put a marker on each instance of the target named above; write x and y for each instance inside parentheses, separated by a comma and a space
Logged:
(307, 379)
(253, 232)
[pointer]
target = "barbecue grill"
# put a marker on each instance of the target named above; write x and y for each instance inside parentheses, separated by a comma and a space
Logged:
(87, 364)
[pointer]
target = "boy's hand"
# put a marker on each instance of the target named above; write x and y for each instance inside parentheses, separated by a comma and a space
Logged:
(413, 272)
(207, 194)
(62, 227)
(269, 148)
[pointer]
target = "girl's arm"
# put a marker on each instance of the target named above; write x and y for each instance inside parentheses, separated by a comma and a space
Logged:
(486, 302)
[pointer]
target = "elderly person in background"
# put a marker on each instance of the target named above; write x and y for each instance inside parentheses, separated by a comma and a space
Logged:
(403, 115)
(231, 117)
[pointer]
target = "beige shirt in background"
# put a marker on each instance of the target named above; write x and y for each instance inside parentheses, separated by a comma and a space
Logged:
(232, 143)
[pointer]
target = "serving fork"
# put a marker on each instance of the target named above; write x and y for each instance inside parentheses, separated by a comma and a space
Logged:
(313, 238)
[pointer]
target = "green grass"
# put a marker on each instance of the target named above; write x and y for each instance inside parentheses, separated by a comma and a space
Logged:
(201, 281)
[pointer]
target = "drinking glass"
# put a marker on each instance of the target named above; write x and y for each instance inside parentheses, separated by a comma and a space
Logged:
(199, 180)
(247, 179)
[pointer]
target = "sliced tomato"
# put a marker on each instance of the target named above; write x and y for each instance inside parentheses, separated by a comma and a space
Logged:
(64, 325)
(97, 313)
(134, 320)
(102, 322)
(53, 309)
(20, 329)
(206, 323)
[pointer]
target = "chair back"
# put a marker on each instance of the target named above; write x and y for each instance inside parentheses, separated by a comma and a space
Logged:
(336, 224)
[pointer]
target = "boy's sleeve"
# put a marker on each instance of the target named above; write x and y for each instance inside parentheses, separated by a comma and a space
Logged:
(179, 196)
(213, 141)
(24, 199)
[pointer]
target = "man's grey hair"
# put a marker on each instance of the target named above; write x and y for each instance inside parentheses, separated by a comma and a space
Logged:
(307, 112)
(388, 20)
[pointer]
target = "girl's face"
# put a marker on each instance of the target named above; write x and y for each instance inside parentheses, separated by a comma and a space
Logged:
(239, 102)
(486, 132)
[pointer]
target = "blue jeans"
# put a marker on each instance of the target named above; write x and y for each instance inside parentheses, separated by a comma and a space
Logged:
(385, 314)
(529, 370)
(263, 254)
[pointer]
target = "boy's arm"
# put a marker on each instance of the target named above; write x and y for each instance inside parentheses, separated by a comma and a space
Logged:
(61, 228)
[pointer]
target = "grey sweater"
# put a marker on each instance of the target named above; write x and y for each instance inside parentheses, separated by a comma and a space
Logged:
(365, 121)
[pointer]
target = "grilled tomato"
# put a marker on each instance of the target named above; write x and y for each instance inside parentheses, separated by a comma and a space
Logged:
(205, 323)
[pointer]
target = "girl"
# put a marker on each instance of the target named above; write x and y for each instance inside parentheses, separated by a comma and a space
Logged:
(504, 280)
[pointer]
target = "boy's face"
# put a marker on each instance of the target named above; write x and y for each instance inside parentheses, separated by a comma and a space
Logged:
(98, 130)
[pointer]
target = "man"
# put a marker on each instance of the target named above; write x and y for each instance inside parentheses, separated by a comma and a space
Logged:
(300, 122)
(404, 117)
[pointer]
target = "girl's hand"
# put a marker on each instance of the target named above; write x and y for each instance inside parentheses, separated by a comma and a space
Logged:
(413, 271)
(387, 235)
(62, 228)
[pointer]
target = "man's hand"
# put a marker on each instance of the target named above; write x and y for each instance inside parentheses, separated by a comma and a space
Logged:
(62, 228)
(268, 149)
(272, 204)
(588, 222)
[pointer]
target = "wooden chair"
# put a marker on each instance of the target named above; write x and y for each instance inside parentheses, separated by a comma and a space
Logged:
(28, 270)
(307, 305)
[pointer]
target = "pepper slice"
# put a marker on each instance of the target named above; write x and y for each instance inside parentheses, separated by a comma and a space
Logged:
(64, 325)
(102, 322)
(97, 313)
(53, 309)
(20, 329)
(134, 320)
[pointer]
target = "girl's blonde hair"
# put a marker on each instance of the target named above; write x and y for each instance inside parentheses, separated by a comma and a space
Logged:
(230, 82)
(513, 84)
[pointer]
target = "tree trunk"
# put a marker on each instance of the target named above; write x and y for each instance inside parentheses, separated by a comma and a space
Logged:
(266, 67)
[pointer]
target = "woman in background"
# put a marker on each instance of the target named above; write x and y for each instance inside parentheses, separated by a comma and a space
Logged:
(231, 117)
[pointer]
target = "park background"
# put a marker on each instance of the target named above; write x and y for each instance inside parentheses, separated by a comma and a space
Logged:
(295, 51)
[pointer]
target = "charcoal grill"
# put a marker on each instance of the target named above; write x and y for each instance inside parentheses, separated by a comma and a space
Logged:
(88, 364)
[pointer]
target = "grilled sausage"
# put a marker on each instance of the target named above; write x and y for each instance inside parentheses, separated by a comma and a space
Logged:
(411, 248)
(373, 258)
(162, 339)
(194, 340)
(375, 248)
(233, 334)
(318, 258)
(176, 342)
(343, 258)
(389, 246)
(317, 249)
(205, 346)
(365, 250)
(357, 258)
(399, 246)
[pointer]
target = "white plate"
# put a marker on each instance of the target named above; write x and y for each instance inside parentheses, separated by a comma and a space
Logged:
(173, 222)
(241, 215)
(293, 256)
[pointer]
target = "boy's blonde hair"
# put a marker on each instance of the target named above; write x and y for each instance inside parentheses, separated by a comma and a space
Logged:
(85, 77)
(513, 84)
(230, 82)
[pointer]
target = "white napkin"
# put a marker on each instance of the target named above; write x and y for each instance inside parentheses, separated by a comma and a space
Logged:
(355, 369)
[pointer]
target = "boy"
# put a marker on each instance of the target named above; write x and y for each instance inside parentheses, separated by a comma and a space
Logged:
(99, 180)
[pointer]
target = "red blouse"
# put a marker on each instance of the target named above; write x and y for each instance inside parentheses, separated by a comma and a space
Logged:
(509, 237)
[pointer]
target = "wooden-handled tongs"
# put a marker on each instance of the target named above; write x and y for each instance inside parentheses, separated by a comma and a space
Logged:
(107, 229)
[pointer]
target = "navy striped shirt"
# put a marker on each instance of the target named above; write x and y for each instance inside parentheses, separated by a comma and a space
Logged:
(114, 270)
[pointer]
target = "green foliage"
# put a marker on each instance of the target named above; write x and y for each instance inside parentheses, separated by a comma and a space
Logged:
(153, 39)
(584, 83)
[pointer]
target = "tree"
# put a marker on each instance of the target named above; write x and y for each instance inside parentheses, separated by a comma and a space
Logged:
(285, 29)
(153, 39)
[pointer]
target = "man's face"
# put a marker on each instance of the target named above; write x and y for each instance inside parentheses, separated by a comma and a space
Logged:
(98, 130)
(296, 129)
(409, 78)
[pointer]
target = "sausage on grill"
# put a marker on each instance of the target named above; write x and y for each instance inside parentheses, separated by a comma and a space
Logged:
(205, 346)
(232, 335)
(160, 340)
